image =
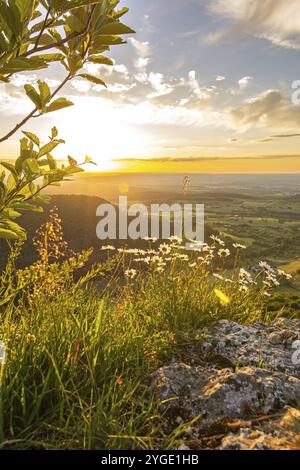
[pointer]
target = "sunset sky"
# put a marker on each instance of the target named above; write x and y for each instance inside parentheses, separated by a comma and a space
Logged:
(201, 79)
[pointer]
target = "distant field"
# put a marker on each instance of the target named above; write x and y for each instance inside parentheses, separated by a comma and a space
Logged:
(292, 267)
(261, 212)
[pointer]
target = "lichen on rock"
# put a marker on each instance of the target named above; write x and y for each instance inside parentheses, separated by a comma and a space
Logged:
(261, 382)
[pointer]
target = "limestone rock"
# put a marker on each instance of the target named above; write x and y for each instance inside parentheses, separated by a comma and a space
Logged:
(278, 435)
(214, 393)
(240, 388)
(259, 345)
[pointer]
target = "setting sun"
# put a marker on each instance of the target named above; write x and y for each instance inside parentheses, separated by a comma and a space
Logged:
(100, 133)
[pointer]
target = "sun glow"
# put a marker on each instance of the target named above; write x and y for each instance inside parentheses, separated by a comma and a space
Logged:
(99, 133)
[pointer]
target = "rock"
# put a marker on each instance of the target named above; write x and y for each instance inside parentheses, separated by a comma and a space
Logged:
(183, 447)
(248, 392)
(258, 345)
(291, 421)
(213, 393)
(247, 439)
(236, 393)
(278, 435)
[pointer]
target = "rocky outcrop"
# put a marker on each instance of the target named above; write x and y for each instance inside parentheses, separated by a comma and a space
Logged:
(259, 345)
(258, 383)
(281, 434)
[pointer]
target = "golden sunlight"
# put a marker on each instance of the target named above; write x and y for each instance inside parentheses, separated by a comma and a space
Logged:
(100, 134)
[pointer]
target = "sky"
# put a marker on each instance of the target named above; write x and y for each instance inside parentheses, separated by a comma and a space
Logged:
(204, 85)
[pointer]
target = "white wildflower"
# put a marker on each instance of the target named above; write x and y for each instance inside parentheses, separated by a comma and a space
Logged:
(165, 249)
(217, 240)
(175, 239)
(238, 246)
(2, 352)
(243, 289)
(284, 274)
(224, 253)
(265, 266)
(218, 276)
(108, 248)
(245, 276)
(130, 273)
(159, 270)
(267, 294)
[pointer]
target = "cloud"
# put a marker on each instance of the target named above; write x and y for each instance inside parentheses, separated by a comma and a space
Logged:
(203, 93)
(270, 109)
(214, 37)
(285, 136)
(273, 138)
(12, 102)
(160, 87)
(117, 78)
(202, 159)
(274, 20)
(4, 97)
(245, 82)
(143, 51)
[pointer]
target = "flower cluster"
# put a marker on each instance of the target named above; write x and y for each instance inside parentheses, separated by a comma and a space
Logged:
(203, 259)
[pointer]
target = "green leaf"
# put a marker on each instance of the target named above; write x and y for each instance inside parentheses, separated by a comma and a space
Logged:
(72, 161)
(55, 57)
(34, 138)
(11, 16)
(75, 63)
(88, 159)
(8, 234)
(72, 170)
(71, 5)
(117, 14)
(36, 15)
(45, 92)
(23, 64)
(13, 227)
(60, 103)
(54, 132)
(10, 213)
(26, 206)
(10, 167)
(115, 28)
(47, 148)
(51, 162)
(31, 165)
(25, 8)
(105, 40)
(93, 79)
(33, 95)
(46, 40)
(100, 59)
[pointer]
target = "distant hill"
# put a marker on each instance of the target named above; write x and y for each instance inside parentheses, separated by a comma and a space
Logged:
(79, 221)
(78, 214)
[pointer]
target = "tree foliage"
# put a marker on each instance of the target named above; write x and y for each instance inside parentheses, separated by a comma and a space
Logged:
(34, 35)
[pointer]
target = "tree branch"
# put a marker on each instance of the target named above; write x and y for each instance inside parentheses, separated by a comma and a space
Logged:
(54, 45)
(43, 28)
(32, 113)
(18, 126)
(69, 76)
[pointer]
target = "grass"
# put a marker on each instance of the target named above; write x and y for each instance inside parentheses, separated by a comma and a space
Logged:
(292, 267)
(74, 370)
(80, 354)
